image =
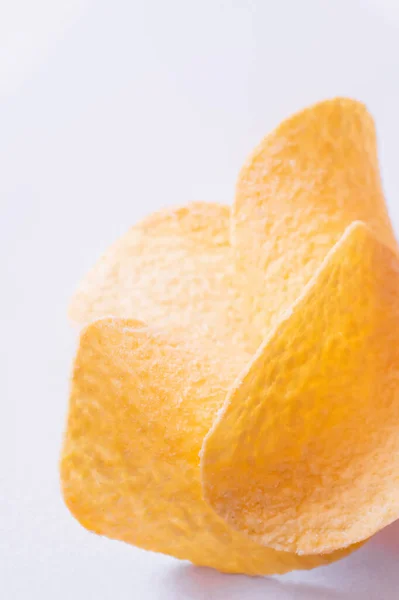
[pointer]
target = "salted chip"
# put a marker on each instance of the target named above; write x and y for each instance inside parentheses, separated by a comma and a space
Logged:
(174, 270)
(304, 455)
(160, 270)
(140, 408)
(296, 194)
(174, 315)
(144, 397)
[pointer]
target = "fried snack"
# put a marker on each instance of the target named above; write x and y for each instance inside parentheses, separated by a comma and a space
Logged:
(236, 386)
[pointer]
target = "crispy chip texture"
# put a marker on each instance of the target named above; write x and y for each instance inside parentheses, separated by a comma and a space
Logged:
(300, 189)
(303, 456)
(236, 386)
(175, 271)
(140, 408)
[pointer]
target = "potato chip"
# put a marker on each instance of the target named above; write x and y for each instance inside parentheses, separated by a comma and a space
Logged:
(300, 189)
(139, 410)
(175, 313)
(303, 457)
(174, 270)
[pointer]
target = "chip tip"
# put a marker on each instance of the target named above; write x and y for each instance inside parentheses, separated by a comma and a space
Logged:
(347, 107)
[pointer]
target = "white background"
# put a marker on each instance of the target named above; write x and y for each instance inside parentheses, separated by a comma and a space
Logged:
(108, 111)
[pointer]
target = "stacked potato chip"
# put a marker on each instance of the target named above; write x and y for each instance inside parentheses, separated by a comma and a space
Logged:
(235, 395)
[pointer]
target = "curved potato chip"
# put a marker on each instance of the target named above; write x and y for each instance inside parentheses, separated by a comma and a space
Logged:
(296, 194)
(174, 270)
(145, 396)
(140, 407)
(304, 455)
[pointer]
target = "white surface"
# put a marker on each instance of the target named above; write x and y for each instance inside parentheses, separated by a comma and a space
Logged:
(110, 110)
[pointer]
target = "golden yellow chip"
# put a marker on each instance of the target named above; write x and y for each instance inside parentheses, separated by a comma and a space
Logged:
(304, 456)
(174, 270)
(140, 407)
(175, 314)
(299, 190)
